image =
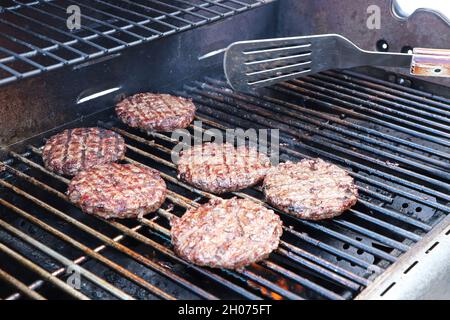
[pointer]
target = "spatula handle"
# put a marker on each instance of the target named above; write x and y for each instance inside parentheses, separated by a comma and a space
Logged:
(430, 62)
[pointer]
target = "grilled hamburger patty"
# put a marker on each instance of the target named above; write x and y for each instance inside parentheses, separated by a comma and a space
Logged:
(74, 150)
(226, 233)
(310, 189)
(156, 112)
(118, 190)
(221, 168)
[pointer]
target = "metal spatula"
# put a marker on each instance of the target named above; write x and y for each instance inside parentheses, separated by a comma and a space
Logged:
(252, 64)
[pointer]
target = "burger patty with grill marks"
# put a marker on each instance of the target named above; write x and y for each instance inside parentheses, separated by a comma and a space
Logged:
(221, 168)
(74, 150)
(310, 189)
(156, 112)
(118, 190)
(226, 233)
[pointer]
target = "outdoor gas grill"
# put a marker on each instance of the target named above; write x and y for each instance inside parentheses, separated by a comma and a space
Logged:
(390, 131)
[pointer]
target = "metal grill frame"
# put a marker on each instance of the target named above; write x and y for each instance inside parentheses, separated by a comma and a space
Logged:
(188, 14)
(213, 98)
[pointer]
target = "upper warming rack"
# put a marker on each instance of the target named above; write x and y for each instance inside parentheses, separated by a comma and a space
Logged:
(36, 36)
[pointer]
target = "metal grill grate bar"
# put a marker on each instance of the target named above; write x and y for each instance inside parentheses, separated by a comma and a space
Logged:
(42, 273)
(262, 120)
(188, 206)
(432, 135)
(48, 50)
(382, 104)
(180, 10)
(157, 159)
(143, 239)
(389, 97)
(92, 253)
(288, 121)
(153, 144)
(66, 262)
(202, 7)
(372, 132)
(382, 254)
(399, 90)
(152, 265)
(330, 232)
(209, 100)
(357, 244)
(247, 273)
(131, 24)
(6, 277)
(305, 263)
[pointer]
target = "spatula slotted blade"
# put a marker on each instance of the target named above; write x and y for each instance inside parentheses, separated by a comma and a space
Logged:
(252, 64)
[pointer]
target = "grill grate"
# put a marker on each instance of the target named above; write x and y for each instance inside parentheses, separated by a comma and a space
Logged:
(35, 37)
(380, 133)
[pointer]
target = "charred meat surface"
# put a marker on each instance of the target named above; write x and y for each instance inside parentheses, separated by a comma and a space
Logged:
(222, 168)
(75, 150)
(118, 190)
(156, 112)
(226, 233)
(310, 189)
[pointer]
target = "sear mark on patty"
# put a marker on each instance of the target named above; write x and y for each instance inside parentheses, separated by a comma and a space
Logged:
(75, 150)
(118, 190)
(221, 168)
(156, 112)
(226, 233)
(310, 189)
